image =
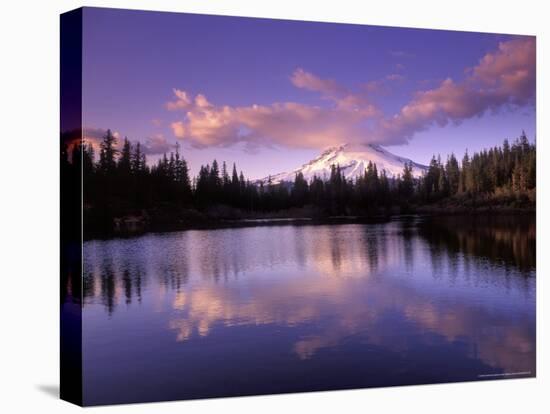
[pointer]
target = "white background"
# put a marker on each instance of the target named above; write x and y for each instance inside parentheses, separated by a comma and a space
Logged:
(29, 192)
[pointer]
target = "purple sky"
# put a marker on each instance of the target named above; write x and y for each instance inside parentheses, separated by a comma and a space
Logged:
(271, 94)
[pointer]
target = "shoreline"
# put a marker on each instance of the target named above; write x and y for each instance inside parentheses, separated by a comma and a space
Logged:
(226, 223)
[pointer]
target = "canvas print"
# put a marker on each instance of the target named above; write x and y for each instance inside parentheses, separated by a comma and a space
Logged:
(257, 206)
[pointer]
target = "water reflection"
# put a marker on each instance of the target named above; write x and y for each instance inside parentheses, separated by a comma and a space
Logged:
(465, 292)
(506, 240)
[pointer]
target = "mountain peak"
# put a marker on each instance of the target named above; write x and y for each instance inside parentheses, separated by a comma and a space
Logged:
(353, 160)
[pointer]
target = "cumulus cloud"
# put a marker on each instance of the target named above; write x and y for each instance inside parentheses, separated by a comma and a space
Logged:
(284, 123)
(178, 128)
(289, 123)
(509, 73)
(182, 101)
(502, 78)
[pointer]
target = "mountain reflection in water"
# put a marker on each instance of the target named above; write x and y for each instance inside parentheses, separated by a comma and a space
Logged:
(409, 301)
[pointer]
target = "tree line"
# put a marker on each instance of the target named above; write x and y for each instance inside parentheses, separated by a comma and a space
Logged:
(120, 182)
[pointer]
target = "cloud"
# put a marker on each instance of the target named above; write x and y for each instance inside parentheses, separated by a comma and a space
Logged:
(93, 136)
(182, 101)
(156, 144)
(306, 80)
(395, 77)
(285, 123)
(382, 86)
(153, 145)
(510, 71)
(178, 128)
(330, 90)
(502, 78)
(289, 124)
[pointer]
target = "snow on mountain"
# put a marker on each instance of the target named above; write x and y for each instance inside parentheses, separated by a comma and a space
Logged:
(353, 161)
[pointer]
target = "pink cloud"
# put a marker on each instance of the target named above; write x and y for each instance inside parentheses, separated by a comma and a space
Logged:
(510, 71)
(290, 124)
(331, 90)
(502, 78)
(382, 86)
(156, 144)
(93, 136)
(284, 123)
(178, 128)
(306, 80)
(182, 101)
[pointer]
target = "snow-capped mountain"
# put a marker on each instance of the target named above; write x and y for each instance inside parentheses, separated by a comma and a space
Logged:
(353, 161)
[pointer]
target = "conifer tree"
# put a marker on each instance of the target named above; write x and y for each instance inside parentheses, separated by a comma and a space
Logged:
(107, 161)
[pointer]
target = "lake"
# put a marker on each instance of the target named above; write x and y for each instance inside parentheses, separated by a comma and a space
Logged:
(291, 308)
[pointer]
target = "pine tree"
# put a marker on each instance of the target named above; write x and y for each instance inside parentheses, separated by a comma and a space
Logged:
(407, 182)
(137, 160)
(235, 186)
(452, 172)
(107, 161)
(466, 184)
(125, 160)
(226, 181)
(300, 190)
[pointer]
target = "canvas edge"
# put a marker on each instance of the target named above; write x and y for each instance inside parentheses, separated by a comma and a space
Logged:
(70, 208)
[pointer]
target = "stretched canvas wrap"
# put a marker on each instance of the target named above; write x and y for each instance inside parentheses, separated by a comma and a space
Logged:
(256, 206)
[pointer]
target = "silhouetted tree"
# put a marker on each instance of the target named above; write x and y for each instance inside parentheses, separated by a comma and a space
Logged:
(121, 183)
(107, 154)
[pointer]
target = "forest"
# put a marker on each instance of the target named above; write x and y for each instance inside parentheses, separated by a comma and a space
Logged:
(121, 191)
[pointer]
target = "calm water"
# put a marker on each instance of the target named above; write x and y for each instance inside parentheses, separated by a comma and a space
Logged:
(297, 308)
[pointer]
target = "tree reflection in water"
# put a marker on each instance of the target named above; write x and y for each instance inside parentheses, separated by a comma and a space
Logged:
(455, 291)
